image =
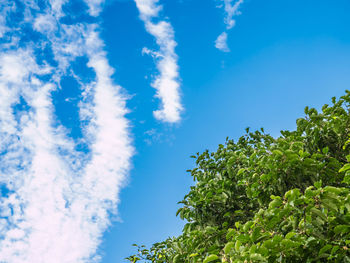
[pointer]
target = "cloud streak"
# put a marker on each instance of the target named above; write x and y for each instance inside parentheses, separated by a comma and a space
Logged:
(167, 82)
(56, 200)
(231, 8)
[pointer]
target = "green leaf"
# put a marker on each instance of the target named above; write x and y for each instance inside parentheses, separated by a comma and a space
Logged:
(275, 203)
(238, 245)
(265, 177)
(346, 178)
(241, 171)
(230, 233)
(176, 259)
(210, 258)
(324, 249)
(325, 150)
(290, 235)
(277, 152)
(345, 168)
(287, 243)
(247, 226)
(330, 204)
(243, 238)
(257, 257)
(318, 184)
(332, 189)
(341, 229)
(228, 247)
(334, 249)
(318, 213)
(178, 211)
(237, 224)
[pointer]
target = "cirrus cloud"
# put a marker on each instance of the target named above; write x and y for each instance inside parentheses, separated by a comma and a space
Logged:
(231, 8)
(167, 82)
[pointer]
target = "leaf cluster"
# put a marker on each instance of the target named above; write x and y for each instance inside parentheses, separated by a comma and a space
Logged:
(268, 199)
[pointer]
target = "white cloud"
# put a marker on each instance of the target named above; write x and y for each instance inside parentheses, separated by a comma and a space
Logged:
(148, 8)
(167, 81)
(5, 9)
(56, 7)
(95, 6)
(59, 200)
(231, 9)
(221, 42)
(45, 23)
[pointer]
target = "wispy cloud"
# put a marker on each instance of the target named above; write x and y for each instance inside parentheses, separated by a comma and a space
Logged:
(221, 42)
(5, 8)
(57, 200)
(231, 8)
(95, 6)
(167, 81)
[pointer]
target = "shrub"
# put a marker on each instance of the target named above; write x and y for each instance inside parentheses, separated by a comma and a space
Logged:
(265, 199)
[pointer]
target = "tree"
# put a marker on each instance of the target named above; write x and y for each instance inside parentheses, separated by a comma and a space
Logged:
(265, 199)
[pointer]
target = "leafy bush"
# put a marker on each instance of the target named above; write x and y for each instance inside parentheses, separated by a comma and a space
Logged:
(265, 199)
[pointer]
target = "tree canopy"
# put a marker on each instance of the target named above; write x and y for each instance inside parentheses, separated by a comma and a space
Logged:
(265, 199)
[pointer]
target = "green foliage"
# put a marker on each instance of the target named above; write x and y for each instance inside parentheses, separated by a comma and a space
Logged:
(265, 199)
(299, 227)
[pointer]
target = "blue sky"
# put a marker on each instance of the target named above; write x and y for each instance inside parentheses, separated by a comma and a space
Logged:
(103, 102)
